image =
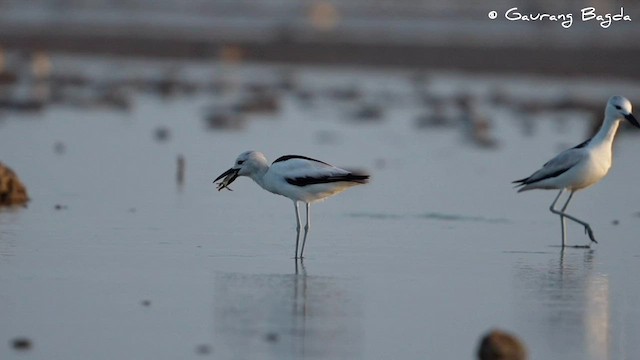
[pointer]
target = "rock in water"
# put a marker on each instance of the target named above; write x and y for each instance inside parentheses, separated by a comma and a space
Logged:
(12, 191)
(500, 345)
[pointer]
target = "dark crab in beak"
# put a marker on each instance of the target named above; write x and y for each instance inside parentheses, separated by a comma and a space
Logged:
(229, 177)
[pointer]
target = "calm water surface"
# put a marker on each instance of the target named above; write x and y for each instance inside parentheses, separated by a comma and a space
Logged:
(437, 250)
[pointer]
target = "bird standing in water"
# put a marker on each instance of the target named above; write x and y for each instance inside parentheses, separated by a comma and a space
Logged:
(581, 166)
(299, 178)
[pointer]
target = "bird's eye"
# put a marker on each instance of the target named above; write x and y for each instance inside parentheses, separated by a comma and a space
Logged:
(240, 162)
(618, 107)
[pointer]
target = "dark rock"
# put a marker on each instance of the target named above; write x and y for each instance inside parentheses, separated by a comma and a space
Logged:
(499, 345)
(21, 343)
(12, 191)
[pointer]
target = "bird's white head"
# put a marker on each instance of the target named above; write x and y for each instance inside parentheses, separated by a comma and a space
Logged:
(619, 108)
(249, 163)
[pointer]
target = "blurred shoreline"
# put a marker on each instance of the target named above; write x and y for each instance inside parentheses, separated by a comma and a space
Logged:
(548, 60)
(408, 34)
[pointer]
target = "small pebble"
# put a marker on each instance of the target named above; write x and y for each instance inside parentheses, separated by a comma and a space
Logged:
(271, 337)
(203, 349)
(615, 222)
(60, 207)
(21, 343)
(59, 147)
(146, 303)
(162, 133)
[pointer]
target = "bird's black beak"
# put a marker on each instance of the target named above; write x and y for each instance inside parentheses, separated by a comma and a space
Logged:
(632, 120)
(227, 173)
(229, 177)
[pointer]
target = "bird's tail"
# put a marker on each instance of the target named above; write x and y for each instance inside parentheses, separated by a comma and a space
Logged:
(357, 178)
(521, 184)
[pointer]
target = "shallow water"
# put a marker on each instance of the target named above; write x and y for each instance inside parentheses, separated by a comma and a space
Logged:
(434, 252)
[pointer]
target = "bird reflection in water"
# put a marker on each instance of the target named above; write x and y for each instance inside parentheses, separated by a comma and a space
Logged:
(567, 302)
(286, 316)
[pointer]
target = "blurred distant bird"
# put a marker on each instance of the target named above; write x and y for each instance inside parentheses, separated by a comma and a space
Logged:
(583, 165)
(297, 177)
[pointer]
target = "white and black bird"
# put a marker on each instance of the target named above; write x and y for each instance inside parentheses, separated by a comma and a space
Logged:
(299, 178)
(583, 165)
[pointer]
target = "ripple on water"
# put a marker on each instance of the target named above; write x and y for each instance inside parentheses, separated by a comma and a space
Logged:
(430, 216)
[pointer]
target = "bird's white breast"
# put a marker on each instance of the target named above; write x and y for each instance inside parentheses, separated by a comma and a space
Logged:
(592, 169)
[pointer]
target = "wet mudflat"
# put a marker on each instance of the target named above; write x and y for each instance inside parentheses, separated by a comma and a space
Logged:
(114, 259)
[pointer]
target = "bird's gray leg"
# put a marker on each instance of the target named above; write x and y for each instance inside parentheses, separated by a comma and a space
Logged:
(295, 205)
(306, 229)
(587, 227)
(567, 202)
(562, 225)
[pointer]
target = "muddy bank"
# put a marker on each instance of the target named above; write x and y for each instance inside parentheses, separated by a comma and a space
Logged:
(543, 59)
